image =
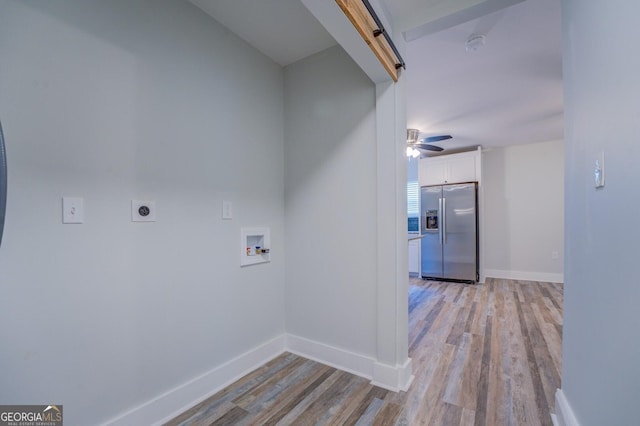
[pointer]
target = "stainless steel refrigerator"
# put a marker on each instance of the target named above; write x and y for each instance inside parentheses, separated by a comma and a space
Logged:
(449, 231)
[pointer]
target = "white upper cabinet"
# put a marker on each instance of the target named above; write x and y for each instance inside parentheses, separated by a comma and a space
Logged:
(462, 169)
(433, 172)
(453, 168)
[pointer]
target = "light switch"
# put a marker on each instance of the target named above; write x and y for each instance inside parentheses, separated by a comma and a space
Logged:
(72, 210)
(598, 171)
(227, 210)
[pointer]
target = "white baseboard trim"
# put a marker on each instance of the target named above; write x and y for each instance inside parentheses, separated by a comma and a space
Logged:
(396, 378)
(564, 413)
(357, 364)
(524, 275)
(177, 400)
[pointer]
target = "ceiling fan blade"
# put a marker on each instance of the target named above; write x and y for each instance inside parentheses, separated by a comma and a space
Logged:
(437, 138)
(428, 147)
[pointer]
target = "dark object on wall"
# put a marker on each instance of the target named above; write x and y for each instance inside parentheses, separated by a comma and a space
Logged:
(3, 182)
(366, 22)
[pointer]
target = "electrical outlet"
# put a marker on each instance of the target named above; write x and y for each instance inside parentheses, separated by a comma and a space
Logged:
(143, 211)
(72, 210)
(555, 255)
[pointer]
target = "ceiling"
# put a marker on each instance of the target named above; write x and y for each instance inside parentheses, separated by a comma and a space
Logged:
(507, 92)
(283, 30)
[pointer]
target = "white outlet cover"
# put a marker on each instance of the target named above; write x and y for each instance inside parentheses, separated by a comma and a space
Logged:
(143, 211)
(227, 210)
(598, 171)
(72, 210)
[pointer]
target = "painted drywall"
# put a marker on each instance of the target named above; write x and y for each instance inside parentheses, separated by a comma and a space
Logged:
(121, 100)
(330, 202)
(600, 372)
(524, 211)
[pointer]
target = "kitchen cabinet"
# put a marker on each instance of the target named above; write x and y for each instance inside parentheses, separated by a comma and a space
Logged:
(433, 172)
(453, 168)
(461, 170)
(414, 257)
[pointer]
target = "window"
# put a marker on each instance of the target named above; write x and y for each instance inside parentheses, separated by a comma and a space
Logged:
(413, 199)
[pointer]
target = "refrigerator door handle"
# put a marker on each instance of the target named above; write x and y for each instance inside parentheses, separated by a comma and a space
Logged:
(444, 221)
(441, 220)
(3, 182)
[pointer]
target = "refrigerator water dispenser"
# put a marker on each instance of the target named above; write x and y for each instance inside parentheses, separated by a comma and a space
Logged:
(431, 220)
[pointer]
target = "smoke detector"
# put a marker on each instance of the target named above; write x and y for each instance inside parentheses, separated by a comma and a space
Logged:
(475, 42)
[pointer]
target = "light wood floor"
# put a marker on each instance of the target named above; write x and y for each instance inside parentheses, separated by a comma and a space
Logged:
(482, 355)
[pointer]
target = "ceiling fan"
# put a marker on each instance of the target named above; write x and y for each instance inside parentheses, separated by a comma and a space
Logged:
(426, 145)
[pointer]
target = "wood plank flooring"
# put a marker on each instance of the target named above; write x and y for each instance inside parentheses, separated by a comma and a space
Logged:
(486, 354)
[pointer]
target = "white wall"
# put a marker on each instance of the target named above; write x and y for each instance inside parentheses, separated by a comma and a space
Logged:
(524, 211)
(601, 349)
(330, 202)
(392, 364)
(136, 99)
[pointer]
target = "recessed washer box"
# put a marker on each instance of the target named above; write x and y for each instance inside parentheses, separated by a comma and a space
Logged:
(255, 246)
(143, 211)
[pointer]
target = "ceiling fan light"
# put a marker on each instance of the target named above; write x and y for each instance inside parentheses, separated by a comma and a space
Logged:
(413, 135)
(412, 152)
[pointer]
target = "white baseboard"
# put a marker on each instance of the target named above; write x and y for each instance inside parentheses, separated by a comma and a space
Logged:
(524, 275)
(341, 359)
(394, 378)
(564, 413)
(175, 401)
